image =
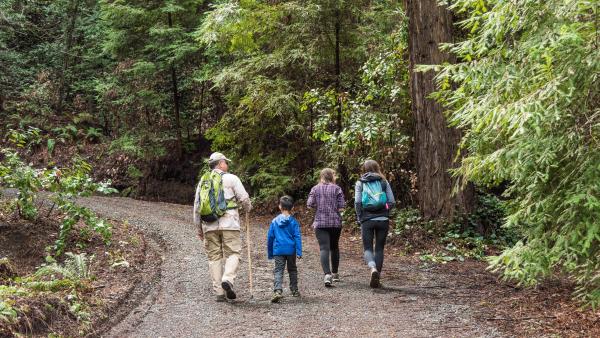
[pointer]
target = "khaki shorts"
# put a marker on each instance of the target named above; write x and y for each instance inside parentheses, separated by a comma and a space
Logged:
(222, 244)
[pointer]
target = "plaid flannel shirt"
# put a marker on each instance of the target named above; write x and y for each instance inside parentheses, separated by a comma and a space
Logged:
(327, 199)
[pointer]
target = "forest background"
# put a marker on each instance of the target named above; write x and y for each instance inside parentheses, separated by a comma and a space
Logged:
(501, 145)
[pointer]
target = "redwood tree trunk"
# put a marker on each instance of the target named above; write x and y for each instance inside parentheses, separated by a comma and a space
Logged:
(436, 144)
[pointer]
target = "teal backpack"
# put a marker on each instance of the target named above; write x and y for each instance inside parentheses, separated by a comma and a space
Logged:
(373, 196)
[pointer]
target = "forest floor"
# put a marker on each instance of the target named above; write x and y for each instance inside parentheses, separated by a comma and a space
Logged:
(417, 300)
(119, 274)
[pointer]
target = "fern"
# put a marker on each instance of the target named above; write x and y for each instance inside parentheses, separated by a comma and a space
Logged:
(7, 313)
(75, 268)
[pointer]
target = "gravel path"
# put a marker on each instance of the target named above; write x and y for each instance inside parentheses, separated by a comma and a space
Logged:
(415, 302)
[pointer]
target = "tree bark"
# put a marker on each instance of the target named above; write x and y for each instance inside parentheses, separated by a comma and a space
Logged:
(62, 85)
(201, 109)
(342, 169)
(176, 102)
(436, 144)
(338, 71)
(219, 104)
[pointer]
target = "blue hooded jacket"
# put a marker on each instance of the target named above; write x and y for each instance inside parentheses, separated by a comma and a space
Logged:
(284, 237)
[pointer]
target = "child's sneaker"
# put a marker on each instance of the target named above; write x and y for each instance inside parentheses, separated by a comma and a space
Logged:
(335, 277)
(327, 280)
(277, 296)
(295, 293)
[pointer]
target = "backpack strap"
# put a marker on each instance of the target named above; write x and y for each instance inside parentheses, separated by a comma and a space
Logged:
(230, 203)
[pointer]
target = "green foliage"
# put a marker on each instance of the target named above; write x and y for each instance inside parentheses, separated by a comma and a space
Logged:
(271, 180)
(70, 184)
(270, 55)
(75, 268)
(27, 180)
(7, 313)
(128, 145)
(526, 93)
(367, 133)
(28, 138)
(407, 219)
(65, 186)
(151, 42)
(375, 115)
(50, 145)
(71, 277)
(134, 172)
(93, 134)
(476, 236)
(66, 133)
(140, 145)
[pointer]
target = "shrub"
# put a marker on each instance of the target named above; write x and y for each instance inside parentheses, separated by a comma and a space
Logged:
(526, 92)
(65, 186)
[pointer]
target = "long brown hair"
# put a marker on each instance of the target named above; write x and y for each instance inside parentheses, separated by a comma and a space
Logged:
(371, 166)
(327, 176)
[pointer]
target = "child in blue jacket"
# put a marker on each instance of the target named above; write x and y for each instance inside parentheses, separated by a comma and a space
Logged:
(284, 244)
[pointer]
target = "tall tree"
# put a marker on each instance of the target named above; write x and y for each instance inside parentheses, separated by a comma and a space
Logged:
(286, 65)
(153, 43)
(72, 15)
(436, 144)
(176, 108)
(527, 95)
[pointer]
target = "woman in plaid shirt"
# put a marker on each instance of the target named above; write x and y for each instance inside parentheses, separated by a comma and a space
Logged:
(328, 201)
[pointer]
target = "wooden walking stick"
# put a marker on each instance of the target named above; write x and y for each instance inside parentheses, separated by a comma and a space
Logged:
(248, 245)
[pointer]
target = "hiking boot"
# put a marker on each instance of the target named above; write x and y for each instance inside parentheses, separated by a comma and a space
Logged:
(220, 298)
(327, 280)
(374, 278)
(277, 296)
(335, 277)
(228, 287)
(295, 293)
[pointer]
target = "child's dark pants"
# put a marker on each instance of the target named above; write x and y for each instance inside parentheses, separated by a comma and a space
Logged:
(280, 262)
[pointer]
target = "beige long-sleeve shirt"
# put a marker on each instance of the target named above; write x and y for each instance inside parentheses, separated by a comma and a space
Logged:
(232, 189)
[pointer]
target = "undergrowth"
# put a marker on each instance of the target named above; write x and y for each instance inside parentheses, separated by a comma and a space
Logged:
(22, 299)
(475, 236)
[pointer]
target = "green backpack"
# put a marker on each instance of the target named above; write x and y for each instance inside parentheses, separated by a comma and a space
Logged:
(212, 197)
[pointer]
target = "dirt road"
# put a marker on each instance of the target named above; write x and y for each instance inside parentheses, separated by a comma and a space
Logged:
(415, 301)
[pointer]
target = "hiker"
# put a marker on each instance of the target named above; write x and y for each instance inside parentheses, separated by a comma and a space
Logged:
(284, 244)
(373, 200)
(218, 197)
(327, 199)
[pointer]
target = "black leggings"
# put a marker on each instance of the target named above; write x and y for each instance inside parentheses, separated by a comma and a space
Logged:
(374, 230)
(329, 239)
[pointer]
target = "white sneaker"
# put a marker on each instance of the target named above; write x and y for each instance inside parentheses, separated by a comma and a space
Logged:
(327, 280)
(335, 277)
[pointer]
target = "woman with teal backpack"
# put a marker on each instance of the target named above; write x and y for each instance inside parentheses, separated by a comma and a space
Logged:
(373, 200)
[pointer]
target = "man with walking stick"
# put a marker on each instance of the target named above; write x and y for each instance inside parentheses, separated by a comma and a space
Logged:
(219, 195)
